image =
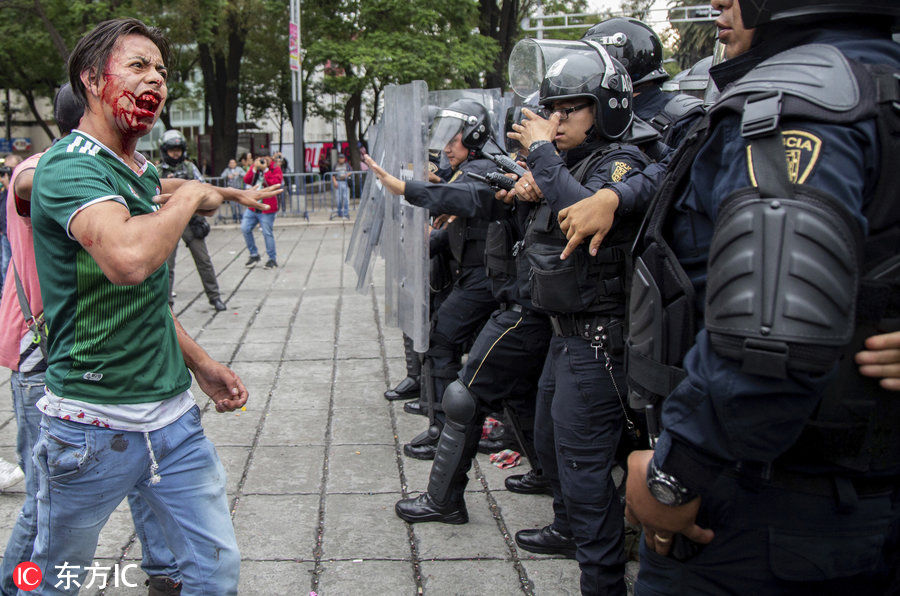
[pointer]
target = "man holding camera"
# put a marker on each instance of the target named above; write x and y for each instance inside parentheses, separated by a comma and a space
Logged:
(263, 173)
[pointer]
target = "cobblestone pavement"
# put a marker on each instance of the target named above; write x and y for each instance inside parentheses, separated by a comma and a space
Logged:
(314, 463)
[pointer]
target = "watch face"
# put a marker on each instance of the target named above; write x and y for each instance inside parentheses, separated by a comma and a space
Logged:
(662, 492)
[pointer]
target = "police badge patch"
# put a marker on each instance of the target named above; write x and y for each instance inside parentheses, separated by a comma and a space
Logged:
(618, 170)
(801, 152)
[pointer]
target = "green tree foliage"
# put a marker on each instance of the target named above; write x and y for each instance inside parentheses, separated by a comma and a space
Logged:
(360, 46)
(36, 37)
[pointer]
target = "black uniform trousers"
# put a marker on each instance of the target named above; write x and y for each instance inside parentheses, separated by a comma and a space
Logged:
(199, 252)
(578, 424)
(459, 318)
(503, 364)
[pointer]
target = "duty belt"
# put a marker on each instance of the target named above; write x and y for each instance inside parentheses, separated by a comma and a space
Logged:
(587, 327)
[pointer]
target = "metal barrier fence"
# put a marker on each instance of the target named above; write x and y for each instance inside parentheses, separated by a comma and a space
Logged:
(303, 194)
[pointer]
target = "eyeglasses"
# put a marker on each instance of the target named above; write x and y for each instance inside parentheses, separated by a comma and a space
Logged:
(564, 112)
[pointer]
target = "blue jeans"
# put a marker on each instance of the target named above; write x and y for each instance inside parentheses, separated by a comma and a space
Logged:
(265, 221)
(342, 196)
(87, 471)
(26, 391)
(5, 257)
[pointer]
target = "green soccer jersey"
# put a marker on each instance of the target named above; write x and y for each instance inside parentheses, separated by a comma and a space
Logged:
(108, 344)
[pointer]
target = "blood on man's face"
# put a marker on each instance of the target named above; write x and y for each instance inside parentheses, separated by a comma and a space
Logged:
(133, 88)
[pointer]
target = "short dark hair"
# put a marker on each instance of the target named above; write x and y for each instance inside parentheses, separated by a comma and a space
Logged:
(93, 50)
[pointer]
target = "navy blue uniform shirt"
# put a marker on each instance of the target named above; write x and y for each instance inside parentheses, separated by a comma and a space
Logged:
(718, 412)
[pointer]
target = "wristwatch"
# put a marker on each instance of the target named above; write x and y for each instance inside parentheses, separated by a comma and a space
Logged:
(537, 144)
(667, 489)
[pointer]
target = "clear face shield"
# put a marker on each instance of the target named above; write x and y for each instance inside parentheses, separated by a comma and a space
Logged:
(447, 124)
(532, 60)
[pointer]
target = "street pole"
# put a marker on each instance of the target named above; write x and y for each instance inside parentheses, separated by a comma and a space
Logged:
(297, 100)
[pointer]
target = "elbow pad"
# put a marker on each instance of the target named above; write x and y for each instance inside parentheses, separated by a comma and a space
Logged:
(783, 281)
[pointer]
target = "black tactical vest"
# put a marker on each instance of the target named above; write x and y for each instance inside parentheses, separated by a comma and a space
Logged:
(855, 427)
(582, 283)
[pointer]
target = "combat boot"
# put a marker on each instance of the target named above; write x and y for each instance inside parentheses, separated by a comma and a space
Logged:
(425, 509)
(408, 388)
(424, 445)
(530, 483)
(546, 541)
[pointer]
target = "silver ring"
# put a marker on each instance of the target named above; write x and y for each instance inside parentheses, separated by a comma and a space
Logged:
(659, 538)
(526, 185)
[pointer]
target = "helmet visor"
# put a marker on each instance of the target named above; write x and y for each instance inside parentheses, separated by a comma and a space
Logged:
(446, 125)
(530, 59)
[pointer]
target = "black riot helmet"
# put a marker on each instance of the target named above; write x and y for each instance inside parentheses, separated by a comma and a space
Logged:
(634, 44)
(593, 74)
(759, 12)
(173, 139)
(464, 116)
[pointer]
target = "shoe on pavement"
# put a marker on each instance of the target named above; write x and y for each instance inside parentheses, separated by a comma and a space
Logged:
(162, 585)
(424, 509)
(218, 304)
(424, 445)
(530, 483)
(414, 407)
(271, 264)
(408, 388)
(252, 261)
(546, 541)
(10, 474)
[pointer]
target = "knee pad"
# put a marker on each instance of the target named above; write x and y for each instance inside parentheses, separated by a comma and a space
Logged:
(459, 404)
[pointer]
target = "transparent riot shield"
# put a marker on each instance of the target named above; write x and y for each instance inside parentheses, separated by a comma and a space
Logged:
(366, 235)
(405, 230)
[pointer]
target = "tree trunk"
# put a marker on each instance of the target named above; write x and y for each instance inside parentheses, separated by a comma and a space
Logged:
(502, 24)
(221, 74)
(352, 117)
(29, 99)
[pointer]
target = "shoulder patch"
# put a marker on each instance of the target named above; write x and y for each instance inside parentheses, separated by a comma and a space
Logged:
(618, 170)
(801, 152)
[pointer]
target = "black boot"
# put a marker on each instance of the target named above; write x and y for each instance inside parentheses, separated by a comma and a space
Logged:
(408, 388)
(424, 509)
(500, 438)
(546, 541)
(162, 585)
(415, 407)
(530, 483)
(424, 445)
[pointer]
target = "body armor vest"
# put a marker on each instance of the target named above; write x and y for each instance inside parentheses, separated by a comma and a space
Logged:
(184, 170)
(854, 429)
(582, 283)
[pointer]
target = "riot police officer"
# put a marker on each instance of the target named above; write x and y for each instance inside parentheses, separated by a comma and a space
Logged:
(176, 165)
(505, 360)
(769, 255)
(638, 48)
(460, 130)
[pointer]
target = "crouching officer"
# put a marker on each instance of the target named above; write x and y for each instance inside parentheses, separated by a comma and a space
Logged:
(176, 165)
(770, 254)
(580, 401)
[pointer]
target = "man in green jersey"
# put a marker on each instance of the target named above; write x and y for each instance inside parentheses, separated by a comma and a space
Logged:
(118, 413)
